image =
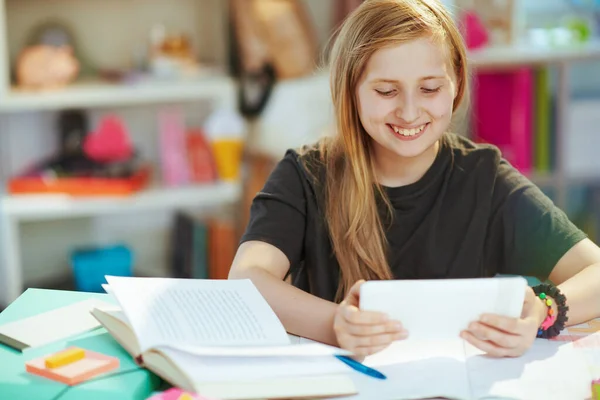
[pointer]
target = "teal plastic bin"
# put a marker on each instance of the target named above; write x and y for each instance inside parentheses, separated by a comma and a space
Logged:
(92, 264)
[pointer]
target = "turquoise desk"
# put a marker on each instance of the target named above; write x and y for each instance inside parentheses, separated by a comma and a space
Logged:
(129, 382)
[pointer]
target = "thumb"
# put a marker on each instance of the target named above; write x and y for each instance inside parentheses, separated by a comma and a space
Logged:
(353, 296)
(528, 302)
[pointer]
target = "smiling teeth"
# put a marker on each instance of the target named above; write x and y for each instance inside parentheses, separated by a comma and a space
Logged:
(408, 132)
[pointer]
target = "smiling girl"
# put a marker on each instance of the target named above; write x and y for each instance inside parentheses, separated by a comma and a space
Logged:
(394, 195)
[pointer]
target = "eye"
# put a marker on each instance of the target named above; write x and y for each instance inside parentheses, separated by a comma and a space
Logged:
(387, 93)
(428, 90)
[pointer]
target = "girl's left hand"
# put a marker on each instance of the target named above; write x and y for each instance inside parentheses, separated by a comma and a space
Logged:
(500, 336)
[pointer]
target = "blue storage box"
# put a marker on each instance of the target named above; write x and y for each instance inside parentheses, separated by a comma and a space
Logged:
(91, 265)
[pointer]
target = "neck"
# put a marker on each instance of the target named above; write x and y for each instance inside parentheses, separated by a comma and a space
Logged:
(394, 171)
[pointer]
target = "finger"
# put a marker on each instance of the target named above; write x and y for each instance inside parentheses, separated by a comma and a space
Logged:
(488, 347)
(529, 295)
(529, 301)
(353, 315)
(499, 338)
(378, 340)
(506, 324)
(353, 295)
(369, 350)
(358, 358)
(374, 329)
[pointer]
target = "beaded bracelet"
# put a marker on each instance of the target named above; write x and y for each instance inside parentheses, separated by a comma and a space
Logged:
(553, 324)
(550, 317)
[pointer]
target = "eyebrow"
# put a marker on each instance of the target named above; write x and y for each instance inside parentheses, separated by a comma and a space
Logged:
(425, 78)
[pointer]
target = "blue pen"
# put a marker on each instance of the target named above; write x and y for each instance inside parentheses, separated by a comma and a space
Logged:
(361, 367)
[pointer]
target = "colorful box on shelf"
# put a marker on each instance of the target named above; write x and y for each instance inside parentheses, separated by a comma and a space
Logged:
(81, 186)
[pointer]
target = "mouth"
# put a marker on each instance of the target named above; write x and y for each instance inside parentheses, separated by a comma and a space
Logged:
(408, 134)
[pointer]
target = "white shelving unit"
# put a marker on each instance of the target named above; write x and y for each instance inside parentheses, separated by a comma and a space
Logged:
(54, 206)
(218, 89)
(96, 95)
(20, 208)
(515, 56)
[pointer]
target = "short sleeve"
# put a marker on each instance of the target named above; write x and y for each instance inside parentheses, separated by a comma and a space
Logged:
(278, 211)
(528, 234)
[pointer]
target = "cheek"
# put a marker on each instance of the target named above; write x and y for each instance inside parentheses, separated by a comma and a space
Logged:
(440, 107)
(375, 109)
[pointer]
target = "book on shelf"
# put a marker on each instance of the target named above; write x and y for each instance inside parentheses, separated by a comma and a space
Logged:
(218, 338)
(504, 114)
(202, 247)
(543, 117)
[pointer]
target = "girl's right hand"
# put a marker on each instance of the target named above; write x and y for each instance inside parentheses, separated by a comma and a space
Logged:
(364, 332)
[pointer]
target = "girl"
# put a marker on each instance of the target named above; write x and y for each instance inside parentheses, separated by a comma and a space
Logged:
(394, 195)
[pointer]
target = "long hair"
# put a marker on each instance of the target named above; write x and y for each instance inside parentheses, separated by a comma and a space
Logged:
(352, 194)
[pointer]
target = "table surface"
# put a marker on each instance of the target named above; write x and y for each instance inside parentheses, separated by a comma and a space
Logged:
(129, 382)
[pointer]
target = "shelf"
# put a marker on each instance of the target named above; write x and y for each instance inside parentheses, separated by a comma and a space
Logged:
(100, 94)
(514, 56)
(572, 179)
(50, 206)
(543, 179)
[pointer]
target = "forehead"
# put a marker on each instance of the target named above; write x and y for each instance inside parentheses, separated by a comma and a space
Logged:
(410, 61)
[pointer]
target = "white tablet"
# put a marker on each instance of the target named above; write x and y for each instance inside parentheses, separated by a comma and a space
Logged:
(442, 308)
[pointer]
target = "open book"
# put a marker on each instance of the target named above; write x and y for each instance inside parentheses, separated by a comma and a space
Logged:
(218, 338)
(453, 369)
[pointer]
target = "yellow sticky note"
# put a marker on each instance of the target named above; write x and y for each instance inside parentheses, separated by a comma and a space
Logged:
(65, 357)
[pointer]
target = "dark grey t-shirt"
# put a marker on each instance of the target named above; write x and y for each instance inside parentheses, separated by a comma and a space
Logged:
(471, 215)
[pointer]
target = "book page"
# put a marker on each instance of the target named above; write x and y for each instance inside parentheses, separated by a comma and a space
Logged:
(204, 313)
(548, 370)
(585, 338)
(442, 308)
(295, 348)
(416, 370)
(231, 369)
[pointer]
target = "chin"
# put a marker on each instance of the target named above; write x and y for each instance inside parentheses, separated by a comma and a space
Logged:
(409, 153)
(412, 149)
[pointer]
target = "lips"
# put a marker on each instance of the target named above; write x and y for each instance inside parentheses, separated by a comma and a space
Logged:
(410, 133)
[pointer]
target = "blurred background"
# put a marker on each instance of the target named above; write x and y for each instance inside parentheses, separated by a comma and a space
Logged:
(135, 133)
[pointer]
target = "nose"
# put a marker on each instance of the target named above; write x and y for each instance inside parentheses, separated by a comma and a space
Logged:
(408, 110)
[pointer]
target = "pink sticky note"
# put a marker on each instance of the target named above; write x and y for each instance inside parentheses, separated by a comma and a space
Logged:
(91, 365)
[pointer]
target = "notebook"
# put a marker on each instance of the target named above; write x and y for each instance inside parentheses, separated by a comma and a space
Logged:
(57, 324)
(219, 338)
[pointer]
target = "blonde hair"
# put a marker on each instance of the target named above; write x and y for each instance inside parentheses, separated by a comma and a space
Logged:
(352, 194)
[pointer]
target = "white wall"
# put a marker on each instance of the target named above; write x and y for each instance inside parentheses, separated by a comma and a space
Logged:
(108, 30)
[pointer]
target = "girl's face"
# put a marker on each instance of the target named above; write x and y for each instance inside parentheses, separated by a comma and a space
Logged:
(405, 98)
